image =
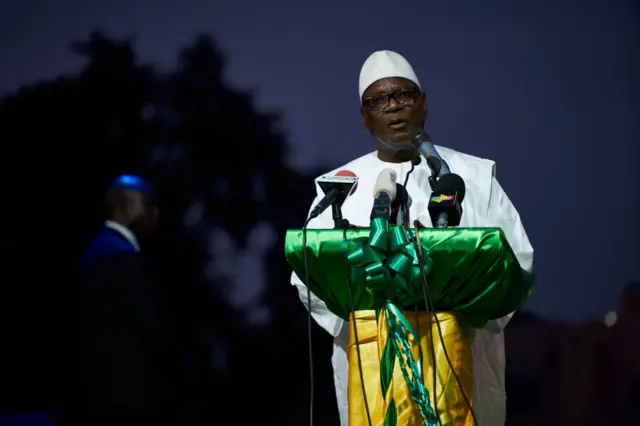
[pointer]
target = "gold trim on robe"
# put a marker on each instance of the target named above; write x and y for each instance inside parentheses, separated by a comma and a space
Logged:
(372, 334)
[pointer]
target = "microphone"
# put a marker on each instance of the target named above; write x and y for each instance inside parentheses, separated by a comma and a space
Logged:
(336, 189)
(445, 203)
(422, 142)
(400, 206)
(384, 192)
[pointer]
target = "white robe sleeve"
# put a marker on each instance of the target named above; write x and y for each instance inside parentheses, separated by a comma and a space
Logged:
(321, 314)
(503, 214)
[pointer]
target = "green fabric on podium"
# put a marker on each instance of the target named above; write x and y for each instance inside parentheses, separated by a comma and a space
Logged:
(474, 271)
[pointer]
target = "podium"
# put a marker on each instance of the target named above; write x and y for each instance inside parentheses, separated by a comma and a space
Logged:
(473, 276)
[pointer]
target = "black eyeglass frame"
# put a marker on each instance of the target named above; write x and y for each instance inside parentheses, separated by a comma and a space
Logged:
(385, 98)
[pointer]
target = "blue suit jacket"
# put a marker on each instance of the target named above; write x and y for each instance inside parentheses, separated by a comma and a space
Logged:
(130, 358)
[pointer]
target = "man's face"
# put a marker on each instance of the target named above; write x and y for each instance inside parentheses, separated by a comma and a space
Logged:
(145, 214)
(392, 108)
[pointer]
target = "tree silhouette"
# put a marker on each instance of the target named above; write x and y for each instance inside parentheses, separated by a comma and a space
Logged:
(116, 89)
(62, 141)
(218, 165)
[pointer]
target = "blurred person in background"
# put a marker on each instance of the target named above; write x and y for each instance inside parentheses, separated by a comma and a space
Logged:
(132, 373)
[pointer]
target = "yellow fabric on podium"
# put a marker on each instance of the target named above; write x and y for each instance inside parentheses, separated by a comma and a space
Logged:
(372, 334)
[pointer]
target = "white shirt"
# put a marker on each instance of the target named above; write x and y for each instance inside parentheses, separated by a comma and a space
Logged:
(485, 205)
(124, 231)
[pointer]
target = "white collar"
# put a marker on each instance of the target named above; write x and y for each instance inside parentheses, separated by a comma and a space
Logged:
(124, 231)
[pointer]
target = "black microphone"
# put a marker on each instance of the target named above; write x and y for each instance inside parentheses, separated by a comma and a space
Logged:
(445, 203)
(422, 142)
(336, 189)
(400, 206)
(384, 192)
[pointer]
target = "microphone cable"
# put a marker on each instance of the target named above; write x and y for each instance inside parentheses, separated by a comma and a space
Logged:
(355, 330)
(309, 320)
(427, 305)
(310, 326)
(429, 301)
(430, 307)
(407, 227)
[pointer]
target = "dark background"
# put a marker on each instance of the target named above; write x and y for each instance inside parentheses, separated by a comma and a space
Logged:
(192, 135)
(547, 89)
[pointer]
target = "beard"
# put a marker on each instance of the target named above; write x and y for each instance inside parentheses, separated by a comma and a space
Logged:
(400, 151)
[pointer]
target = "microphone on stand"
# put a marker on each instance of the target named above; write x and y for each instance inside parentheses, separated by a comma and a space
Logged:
(422, 142)
(400, 206)
(336, 189)
(384, 192)
(445, 203)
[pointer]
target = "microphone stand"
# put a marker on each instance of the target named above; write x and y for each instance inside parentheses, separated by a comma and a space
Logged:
(435, 166)
(338, 221)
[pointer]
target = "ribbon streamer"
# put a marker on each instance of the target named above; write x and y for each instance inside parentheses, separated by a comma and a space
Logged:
(387, 263)
(399, 331)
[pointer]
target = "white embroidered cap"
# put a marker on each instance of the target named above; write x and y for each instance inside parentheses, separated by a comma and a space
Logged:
(385, 64)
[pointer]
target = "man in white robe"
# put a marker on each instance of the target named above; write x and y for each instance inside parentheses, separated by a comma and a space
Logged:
(392, 106)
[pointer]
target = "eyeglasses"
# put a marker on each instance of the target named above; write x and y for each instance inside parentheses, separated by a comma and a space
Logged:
(401, 96)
